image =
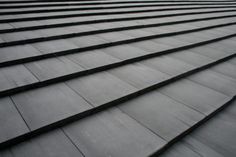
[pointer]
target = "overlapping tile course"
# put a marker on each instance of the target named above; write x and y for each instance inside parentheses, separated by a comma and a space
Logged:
(112, 78)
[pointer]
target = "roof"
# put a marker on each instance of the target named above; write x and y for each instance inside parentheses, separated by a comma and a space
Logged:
(120, 78)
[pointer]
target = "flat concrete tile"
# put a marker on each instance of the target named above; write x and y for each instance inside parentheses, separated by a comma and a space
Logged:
(12, 124)
(15, 76)
(226, 69)
(54, 67)
(161, 114)
(101, 88)
(216, 81)
(196, 96)
(17, 52)
(151, 46)
(192, 58)
(124, 52)
(139, 75)
(168, 65)
(54, 46)
(86, 41)
(49, 104)
(51, 144)
(209, 52)
(92, 59)
(113, 133)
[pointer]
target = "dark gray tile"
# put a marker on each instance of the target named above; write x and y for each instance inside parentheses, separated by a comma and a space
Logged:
(46, 105)
(229, 43)
(86, 41)
(17, 52)
(233, 61)
(209, 52)
(80, 28)
(192, 58)
(216, 81)
(161, 114)
(15, 76)
(157, 30)
(26, 24)
(201, 148)
(1, 40)
(180, 149)
(219, 46)
(54, 46)
(101, 88)
(207, 35)
(211, 139)
(196, 96)
(12, 36)
(15, 36)
(124, 51)
(188, 38)
(151, 46)
(54, 67)
(55, 31)
(106, 25)
(12, 124)
(114, 36)
(168, 65)
(178, 27)
(139, 75)
(113, 133)
(137, 33)
(92, 59)
(52, 144)
(218, 132)
(5, 26)
(171, 42)
(226, 69)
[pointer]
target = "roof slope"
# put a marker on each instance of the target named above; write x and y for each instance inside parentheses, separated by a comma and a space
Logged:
(114, 78)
